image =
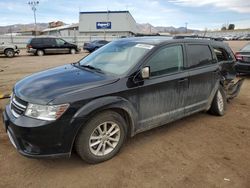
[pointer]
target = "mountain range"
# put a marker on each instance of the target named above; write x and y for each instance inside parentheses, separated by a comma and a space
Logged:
(145, 28)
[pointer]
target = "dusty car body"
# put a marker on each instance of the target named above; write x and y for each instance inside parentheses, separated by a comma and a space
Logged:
(124, 88)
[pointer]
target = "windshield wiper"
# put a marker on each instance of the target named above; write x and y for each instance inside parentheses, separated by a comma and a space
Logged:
(92, 68)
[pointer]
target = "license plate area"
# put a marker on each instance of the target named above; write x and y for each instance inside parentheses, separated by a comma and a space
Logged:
(11, 139)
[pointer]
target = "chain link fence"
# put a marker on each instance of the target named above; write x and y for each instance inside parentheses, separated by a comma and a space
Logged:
(21, 41)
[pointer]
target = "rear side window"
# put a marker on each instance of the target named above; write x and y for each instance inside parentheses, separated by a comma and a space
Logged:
(36, 41)
(199, 55)
(222, 54)
(49, 41)
(166, 60)
(102, 42)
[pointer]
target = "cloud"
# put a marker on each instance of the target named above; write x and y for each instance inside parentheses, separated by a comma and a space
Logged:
(240, 6)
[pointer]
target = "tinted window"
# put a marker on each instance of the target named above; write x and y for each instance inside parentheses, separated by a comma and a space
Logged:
(60, 42)
(166, 60)
(103, 42)
(221, 54)
(48, 41)
(36, 41)
(199, 55)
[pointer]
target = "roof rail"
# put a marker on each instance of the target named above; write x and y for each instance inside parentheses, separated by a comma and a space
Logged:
(195, 37)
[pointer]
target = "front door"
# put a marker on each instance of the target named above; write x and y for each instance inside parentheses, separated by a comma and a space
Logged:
(161, 97)
(61, 46)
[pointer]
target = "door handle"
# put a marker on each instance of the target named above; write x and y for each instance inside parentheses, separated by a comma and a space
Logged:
(182, 80)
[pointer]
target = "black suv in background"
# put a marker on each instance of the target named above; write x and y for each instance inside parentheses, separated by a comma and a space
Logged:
(124, 88)
(50, 45)
(94, 45)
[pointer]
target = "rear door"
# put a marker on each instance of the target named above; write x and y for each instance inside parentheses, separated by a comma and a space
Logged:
(161, 97)
(49, 45)
(203, 76)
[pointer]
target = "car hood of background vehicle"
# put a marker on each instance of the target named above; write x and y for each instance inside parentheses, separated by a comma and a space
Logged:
(43, 87)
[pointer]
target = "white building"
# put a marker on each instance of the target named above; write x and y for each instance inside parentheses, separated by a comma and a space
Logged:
(107, 24)
(62, 31)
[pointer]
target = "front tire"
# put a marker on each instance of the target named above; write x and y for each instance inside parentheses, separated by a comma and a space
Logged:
(101, 138)
(218, 106)
(9, 53)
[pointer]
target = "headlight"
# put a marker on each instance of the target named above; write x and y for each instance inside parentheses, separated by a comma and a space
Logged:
(46, 112)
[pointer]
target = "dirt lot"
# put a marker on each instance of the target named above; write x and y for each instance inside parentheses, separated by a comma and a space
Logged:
(198, 151)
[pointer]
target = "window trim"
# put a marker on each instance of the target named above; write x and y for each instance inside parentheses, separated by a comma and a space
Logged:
(200, 66)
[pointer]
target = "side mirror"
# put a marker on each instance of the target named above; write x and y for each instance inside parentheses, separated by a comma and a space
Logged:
(145, 72)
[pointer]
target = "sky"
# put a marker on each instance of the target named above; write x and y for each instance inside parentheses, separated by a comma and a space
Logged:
(198, 14)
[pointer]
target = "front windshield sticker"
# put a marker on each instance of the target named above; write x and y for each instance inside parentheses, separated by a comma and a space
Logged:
(146, 46)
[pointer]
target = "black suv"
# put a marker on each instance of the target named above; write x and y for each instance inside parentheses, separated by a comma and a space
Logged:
(124, 88)
(50, 45)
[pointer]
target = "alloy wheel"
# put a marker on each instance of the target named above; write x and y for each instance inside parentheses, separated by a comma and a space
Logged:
(104, 138)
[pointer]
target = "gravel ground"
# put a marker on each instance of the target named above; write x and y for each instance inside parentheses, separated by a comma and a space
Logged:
(197, 151)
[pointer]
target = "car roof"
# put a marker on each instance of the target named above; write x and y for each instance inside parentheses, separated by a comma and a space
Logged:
(158, 40)
(46, 37)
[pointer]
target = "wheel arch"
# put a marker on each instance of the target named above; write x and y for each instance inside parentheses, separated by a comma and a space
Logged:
(118, 104)
(8, 49)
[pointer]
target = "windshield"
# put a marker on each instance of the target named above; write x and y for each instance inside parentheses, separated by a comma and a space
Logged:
(116, 57)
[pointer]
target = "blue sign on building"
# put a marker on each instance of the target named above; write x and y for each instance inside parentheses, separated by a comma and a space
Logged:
(103, 25)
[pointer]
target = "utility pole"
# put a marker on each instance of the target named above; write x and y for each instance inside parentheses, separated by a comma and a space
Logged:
(11, 36)
(186, 26)
(33, 5)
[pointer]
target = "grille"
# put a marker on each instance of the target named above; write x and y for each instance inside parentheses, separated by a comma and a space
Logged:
(246, 59)
(18, 106)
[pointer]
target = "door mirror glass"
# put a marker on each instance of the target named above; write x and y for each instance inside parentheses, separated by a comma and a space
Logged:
(145, 72)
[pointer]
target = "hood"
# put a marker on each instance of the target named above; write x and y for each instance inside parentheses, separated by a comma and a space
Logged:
(43, 87)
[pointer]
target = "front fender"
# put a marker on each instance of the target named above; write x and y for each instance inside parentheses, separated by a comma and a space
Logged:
(110, 102)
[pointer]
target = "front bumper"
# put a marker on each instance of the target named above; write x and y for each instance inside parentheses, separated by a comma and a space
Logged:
(17, 51)
(242, 67)
(49, 139)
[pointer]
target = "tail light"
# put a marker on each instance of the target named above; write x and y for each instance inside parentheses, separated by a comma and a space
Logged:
(29, 46)
(238, 56)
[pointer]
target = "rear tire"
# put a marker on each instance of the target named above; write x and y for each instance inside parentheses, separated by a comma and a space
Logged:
(101, 138)
(73, 51)
(40, 52)
(218, 106)
(9, 53)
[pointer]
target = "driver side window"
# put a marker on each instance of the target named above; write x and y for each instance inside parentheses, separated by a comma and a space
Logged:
(59, 42)
(166, 60)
